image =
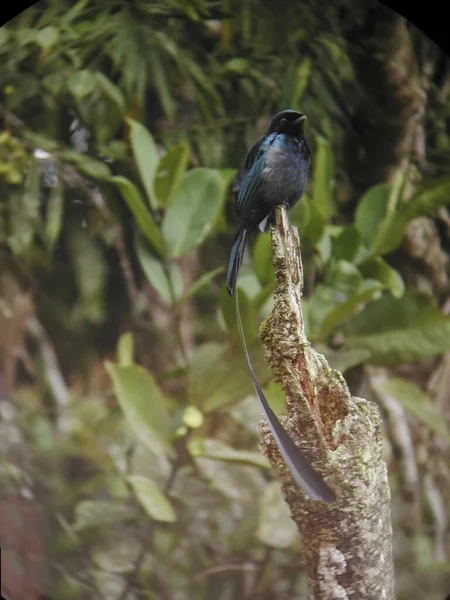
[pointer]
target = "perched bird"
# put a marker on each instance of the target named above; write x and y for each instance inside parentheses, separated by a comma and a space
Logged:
(275, 171)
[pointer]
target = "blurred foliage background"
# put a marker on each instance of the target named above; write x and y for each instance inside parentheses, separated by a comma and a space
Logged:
(128, 426)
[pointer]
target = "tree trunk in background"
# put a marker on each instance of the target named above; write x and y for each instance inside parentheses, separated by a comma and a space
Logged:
(389, 137)
(347, 545)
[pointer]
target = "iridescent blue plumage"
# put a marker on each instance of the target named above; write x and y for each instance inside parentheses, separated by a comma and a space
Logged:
(275, 171)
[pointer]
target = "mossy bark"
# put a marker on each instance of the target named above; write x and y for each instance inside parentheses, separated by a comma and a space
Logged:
(347, 545)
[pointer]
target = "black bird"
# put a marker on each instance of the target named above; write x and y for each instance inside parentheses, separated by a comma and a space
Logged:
(275, 171)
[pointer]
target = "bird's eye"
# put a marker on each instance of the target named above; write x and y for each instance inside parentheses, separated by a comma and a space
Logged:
(283, 122)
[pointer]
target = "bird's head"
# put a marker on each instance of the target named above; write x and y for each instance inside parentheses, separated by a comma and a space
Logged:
(287, 121)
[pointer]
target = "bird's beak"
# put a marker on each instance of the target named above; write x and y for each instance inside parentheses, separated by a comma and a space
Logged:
(300, 119)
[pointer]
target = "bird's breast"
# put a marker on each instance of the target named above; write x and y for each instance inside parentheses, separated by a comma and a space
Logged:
(285, 171)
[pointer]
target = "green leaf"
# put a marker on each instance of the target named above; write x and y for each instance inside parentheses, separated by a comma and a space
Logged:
(125, 349)
(389, 233)
(371, 210)
(95, 513)
(381, 229)
(300, 216)
(153, 270)
(219, 378)
(152, 499)
(194, 210)
(323, 176)
(347, 244)
(81, 84)
(346, 309)
(276, 527)
(416, 401)
(96, 169)
(429, 199)
(377, 268)
(141, 213)
(115, 553)
(54, 213)
(111, 91)
(400, 329)
(343, 360)
(47, 37)
(217, 450)
(146, 156)
(249, 313)
(143, 405)
(262, 260)
(341, 295)
(201, 282)
(169, 173)
(316, 222)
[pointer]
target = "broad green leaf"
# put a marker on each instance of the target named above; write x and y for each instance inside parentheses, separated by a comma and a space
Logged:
(381, 228)
(239, 482)
(217, 450)
(429, 199)
(169, 173)
(368, 291)
(323, 176)
(389, 233)
(125, 349)
(143, 405)
(377, 268)
(262, 260)
(47, 37)
(201, 282)
(416, 401)
(141, 213)
(54, 214)
(400, 329)
(95, 513)
(111, 91)
(249, 313)
(154, 270)
(347, 244)
(276, 527)
(342, 360)
(219, 377)
(301, 79)
(316, 221)
(152, 499)
(372, 209)
(194, 210)
(339, 297)
(116, 553)
(146, 156)
(96, 169)
(176, 280)
(81, 84)
(300, 216)
(276, 398)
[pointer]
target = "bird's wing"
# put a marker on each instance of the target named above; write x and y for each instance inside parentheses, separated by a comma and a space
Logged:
(249, 178)
(252, 155)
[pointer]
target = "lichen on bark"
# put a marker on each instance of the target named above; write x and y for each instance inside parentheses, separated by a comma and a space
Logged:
(347, 545)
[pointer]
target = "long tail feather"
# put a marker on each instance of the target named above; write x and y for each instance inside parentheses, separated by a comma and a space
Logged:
(237, 252)
(311, 482)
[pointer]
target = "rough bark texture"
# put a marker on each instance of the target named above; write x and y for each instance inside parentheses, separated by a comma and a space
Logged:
(348, 544)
